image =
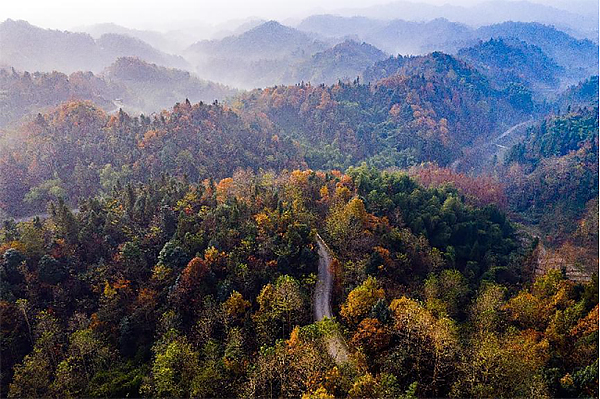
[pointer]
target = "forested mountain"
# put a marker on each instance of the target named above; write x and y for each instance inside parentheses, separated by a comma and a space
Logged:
(129, 83)
(402, 119)
(582, 94)
(399, 121)
(451, 70)
(26, 94)
(434, 64)
(77, 151)
(255, 58)
(26, 47)
(152, 88)
(579, 57)
(344, 61)
(510, 61)
(552, 181)
(548, 181)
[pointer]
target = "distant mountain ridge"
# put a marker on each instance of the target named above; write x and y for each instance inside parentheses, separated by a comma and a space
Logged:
(258, 57)
(336, 26)
(322, 49)
(397, 36)
(267, 40)
(578, 57)
(27, 47)
(161, 41)
(413, 38)
(485, 13)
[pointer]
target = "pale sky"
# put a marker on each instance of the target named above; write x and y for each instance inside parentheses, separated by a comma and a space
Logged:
(167, 14)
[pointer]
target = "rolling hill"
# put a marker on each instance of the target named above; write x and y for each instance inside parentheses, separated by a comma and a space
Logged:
(129, 83)
(344, 61)
(506, 61)
(578, 57)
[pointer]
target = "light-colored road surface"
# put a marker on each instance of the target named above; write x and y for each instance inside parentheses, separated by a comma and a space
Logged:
(31, 217)
(487, 150)
(335, 344)
(518, 126)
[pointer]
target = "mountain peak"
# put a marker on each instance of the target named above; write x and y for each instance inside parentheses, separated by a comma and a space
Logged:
(271, 23)
(270, 27)
(10, 21)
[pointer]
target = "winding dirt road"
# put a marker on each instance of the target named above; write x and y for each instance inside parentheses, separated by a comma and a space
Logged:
(31, 217)
(487, 150)
(335, 343)
(510, 131)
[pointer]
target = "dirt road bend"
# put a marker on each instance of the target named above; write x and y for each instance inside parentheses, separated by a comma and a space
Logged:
(335, 344)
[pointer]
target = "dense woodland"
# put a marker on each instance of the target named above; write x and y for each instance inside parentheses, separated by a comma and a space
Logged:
(174, 289)
(77, 150)
(160, 233)
(555, 170)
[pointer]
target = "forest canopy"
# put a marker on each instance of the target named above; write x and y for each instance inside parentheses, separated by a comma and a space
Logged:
(392, 208)
(178, 289)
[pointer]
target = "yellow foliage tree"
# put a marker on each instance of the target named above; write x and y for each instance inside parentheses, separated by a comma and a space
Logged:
(360, 301)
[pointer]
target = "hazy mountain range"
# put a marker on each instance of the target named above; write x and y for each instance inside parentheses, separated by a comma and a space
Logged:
(167, 42)
(27, 47)
(272, 53)
(321, 48)
(489, 12)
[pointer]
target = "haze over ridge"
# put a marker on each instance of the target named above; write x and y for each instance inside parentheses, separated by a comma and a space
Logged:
(66, 14)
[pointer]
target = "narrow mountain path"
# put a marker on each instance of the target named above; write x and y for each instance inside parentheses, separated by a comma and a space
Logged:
(488, 149)
(516, 127)
(31, 217)
(336, 346)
